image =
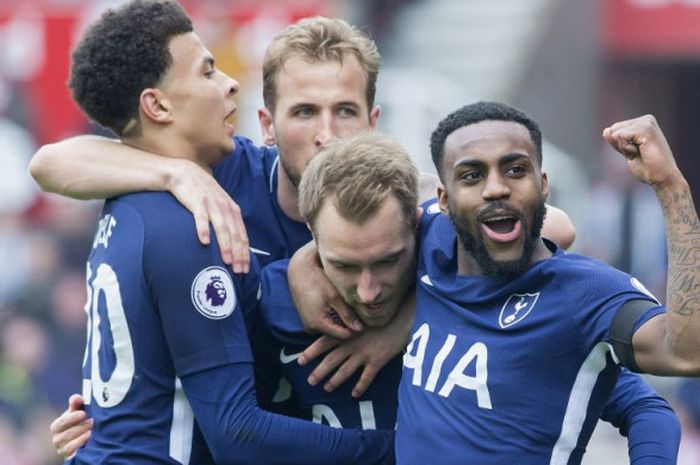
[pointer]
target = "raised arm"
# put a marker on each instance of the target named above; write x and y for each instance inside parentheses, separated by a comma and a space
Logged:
(92, 167)
(652, 429)
(668, 344)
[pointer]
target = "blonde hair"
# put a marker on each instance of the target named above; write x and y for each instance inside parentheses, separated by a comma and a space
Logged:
(357, 174)
(319, 39)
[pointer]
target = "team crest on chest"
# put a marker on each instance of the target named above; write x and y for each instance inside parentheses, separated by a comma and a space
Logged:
(517, 307)
(213, 294)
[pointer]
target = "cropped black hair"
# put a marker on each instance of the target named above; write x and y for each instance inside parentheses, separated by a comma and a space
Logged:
(476, 113)
(123, 53)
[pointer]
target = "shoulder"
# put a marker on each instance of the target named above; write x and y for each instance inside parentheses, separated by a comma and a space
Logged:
(159, 211)
(594, 279)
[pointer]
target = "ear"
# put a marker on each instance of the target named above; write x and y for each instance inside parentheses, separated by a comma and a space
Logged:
(545, 186)
(267, 126)
(419, 215)
(443, 200)
(155, 106)
(374, 117)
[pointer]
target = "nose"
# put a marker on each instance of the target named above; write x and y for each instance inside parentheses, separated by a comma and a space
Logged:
(230, 84)
(495, 187)
(368, 287)
(324, 133)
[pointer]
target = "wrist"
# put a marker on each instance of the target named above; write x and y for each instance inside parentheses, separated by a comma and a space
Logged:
(675, 184)
(171, 172)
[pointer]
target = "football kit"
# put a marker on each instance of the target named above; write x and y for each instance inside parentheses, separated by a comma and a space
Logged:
(249, 175)
(508, 370)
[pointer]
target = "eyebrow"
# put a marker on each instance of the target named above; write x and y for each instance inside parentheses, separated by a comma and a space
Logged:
(208, 60)
(511, 157)
(504, 160)
(389, 256)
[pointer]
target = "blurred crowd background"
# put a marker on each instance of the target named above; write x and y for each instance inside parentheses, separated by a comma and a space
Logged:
(576, 66)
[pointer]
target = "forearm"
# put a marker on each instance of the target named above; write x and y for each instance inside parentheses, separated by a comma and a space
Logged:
(654, 436)
(87, 167)
(237, 431)
(683, 287)
(652, 429)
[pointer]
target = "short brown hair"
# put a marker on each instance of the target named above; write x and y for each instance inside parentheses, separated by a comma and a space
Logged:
(358, 173)
(319, 39)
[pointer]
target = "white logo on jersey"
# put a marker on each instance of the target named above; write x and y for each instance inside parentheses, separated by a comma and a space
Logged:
(288, 358)
(517, 307)
(433, 208)
(213, 294)
(641, 288)
(104, 231)
(476, 357)
(426, 279)
(259, 251)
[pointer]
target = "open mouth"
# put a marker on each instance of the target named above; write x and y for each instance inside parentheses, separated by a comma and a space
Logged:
(502, 227)
(373, 309)
(228, 121)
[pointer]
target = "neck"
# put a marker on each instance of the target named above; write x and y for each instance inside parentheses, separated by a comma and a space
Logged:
(287, 195)
(167, 145)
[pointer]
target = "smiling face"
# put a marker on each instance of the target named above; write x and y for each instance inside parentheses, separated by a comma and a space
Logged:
(316, 102)
(495, 193)
(200, 99)
(371, 264)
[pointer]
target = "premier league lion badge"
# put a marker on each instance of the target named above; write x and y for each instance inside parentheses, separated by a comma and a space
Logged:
(516, 308)
(213, 294)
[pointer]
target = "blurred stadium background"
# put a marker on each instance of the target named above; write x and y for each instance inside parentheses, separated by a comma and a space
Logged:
(576, 66)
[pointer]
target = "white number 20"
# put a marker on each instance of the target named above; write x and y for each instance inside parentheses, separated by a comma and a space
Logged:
(109, 392)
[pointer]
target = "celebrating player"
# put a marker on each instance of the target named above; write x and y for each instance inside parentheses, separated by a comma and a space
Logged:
(515, 344)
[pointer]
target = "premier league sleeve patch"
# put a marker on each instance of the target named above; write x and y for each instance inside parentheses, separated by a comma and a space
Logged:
(213, 294)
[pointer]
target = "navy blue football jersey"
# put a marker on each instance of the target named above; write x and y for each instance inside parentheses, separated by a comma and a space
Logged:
(507, 370)
(168, 362)
(249, 175)
(280, 340)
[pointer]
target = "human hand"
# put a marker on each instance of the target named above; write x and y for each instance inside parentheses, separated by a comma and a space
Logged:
(71, 430)
(371, 350)
(208, 202)
(642, 143)
(318, 302)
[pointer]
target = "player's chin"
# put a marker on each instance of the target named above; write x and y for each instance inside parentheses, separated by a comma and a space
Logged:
(227, 145)
(378, 317)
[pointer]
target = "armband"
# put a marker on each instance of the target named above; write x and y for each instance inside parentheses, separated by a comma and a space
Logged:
(622, 330)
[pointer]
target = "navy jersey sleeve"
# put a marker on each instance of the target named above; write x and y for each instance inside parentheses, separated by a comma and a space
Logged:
(652, 428)
(197, 302)
(238, 431)
(199, 306)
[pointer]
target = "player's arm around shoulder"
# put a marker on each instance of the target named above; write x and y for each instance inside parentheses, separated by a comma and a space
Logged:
(92, 167)
(667, 344)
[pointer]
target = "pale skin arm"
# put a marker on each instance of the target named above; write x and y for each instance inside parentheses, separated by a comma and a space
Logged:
(92, 167)
(668, 344)
(557, 224)
(71, 430)
(371, 350)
